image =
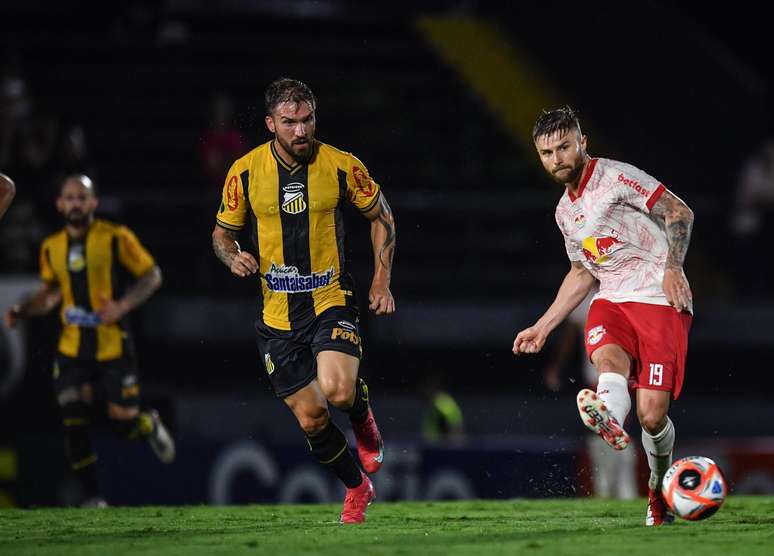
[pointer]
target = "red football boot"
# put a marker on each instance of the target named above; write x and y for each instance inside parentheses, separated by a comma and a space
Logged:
(356, 501)
(370, 447)
(658, 511)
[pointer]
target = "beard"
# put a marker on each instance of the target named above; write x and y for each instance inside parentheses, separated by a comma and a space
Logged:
(572, 176)
(77, 218)
(300, 150)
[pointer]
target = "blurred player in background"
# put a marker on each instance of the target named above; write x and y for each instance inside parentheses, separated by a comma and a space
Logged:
(7, 192)
(623, 228)
(613, 472)
(79, 266)
(290, 193)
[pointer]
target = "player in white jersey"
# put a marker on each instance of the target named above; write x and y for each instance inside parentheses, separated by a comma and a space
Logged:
(624, 229)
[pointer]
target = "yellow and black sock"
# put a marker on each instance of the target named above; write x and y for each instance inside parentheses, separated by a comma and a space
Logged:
(358, 413)
(331, 449)
(80, 452)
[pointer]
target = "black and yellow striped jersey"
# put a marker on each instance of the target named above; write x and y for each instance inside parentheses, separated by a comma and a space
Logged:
(86, 272)
(294, 214)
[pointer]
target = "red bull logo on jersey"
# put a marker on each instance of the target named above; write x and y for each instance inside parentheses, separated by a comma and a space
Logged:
(281, 278)
(634, 184)
(595, 335)
(597, 249)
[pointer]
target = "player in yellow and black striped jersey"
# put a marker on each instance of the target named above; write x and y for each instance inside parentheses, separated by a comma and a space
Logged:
(289, 194)
(79, 266)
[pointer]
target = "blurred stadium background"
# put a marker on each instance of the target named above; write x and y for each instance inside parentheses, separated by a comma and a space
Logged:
(437, 98)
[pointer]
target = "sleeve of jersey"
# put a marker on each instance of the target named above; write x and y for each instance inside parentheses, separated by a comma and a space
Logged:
(362, 190)
(131, 253)
(233, 209)
(639, 189)
(46, 272)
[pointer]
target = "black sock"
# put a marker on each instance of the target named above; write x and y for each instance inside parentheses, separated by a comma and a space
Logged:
(358, 413)
(330, 448)
(80, 453)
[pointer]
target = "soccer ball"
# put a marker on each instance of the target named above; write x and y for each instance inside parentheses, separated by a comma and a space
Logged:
(694, 488)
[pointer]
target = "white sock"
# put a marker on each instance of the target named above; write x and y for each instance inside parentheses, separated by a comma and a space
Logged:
(614, 391)
(658, 448)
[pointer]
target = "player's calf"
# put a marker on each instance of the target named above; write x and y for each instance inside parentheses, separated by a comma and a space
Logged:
(370, 448)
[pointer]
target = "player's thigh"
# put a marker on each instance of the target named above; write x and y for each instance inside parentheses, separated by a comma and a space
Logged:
(652, 408)
(337, 347)
(612, 358)
(72, 380)
(121, 384)
(287, 359)
(611, 341)
(309, 407)
(336, 374)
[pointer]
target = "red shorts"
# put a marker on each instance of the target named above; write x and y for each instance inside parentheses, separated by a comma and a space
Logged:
(656, 336)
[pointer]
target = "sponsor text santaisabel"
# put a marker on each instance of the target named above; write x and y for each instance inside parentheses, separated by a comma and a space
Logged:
(281, 278)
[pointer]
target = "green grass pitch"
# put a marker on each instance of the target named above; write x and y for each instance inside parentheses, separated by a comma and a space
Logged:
(745, 525)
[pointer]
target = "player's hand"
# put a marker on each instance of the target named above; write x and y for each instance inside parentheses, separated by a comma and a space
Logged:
(677, 289)
(11, 317)
(243, 264)
(380, 300)
(529, 340)
(111, 311)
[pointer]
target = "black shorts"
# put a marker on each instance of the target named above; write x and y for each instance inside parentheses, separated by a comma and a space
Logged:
(290, 356)
(117, 381)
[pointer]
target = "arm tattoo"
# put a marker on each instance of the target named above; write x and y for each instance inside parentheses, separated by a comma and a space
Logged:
(386, 219)
(226, 246)
(676, 219)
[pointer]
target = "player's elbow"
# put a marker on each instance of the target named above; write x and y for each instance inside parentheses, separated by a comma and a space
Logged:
(683, 213)
(7, 187)
(154, 278)
(158, 277)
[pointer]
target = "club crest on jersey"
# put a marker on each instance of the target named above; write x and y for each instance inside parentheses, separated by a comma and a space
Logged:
(595, 335)
(580, 221)
(293, 199)
(75, 258)
(597, 249)
(281, 278)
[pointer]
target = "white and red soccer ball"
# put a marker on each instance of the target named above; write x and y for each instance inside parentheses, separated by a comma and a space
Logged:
(694, 488)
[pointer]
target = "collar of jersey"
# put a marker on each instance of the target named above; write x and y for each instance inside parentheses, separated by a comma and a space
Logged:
(584, 180)
(295, 167)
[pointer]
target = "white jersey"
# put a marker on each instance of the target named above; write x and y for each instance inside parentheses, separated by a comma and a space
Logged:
(607, 228)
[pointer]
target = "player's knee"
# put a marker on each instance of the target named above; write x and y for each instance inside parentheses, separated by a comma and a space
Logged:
(313, 423)
(120, 413)
(73, 394)
(611, 358)
(338, 391)
(652, 420)
(611, 364)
